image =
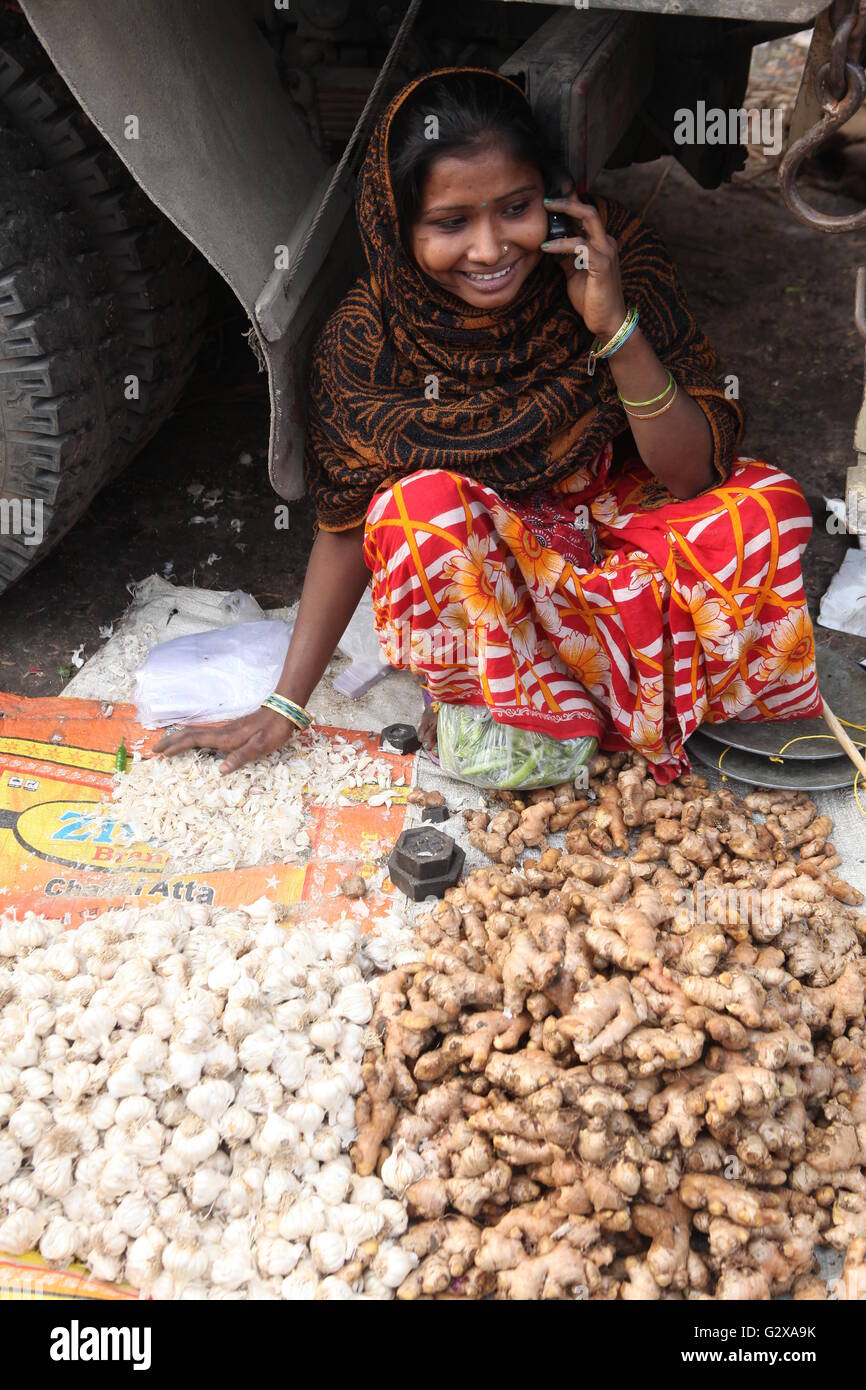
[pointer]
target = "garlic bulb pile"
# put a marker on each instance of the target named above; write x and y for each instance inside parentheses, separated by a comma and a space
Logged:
(256, 815)
(177, 1097)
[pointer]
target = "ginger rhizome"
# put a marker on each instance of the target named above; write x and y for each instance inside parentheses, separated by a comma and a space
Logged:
(634, 1066)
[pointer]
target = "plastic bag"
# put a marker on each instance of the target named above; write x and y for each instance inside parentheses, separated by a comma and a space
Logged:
(475, 747)
(360, 641)
(208, 676)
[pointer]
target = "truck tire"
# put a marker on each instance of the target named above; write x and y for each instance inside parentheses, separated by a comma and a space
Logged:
(104, 275)
(61, 392)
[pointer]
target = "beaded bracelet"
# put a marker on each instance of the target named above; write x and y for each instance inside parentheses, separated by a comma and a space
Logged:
(613, 345)
(296, 714)
(652, 400)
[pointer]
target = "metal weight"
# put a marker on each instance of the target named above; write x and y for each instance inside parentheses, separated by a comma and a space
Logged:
(425, 862)
(403, 738)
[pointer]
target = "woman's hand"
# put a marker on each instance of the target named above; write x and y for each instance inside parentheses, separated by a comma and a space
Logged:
(246, 739)
(595, 290)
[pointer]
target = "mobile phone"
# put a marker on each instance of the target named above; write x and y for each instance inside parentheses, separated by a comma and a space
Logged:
(561, 184)
(557, 228)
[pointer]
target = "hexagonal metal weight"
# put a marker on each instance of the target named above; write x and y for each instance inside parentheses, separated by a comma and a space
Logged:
(424, 862)
(403, 738)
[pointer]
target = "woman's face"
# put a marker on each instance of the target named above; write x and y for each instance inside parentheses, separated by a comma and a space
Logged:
(480, 224)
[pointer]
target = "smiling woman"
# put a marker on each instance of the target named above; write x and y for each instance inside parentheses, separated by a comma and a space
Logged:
(477, 395)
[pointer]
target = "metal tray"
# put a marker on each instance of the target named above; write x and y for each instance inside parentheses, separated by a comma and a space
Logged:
(828, 774)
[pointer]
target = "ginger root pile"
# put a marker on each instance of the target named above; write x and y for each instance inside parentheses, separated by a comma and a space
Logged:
(634, 1067)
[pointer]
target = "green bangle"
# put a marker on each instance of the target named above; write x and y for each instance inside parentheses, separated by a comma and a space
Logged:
(296, 714)
(653, 399)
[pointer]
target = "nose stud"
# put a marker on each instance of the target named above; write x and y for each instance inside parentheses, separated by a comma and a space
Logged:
(504, 247)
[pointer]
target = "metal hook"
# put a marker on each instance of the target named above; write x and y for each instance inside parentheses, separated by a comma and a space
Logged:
(836, 113)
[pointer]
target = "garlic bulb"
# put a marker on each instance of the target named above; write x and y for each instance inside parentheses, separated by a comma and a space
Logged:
(300, 1286)
(356, 1224)
(257, 1049)
(61, 960)
(231, 1270)
(40, 1017)
(29, 1122)
(207, 1184)
(392, 1265)
(305, 1114)
(133, 1214)
(236, 1124)
(53, 1176)
(147, 1053)
(155, 1182)
(119, 1175)
(22, 1192)
(144, 1258)
(158, 1020)
(278, 1182)
(35, 1083)
(276, 1134)
(368, 1192)
(102, 1112)
(332, 1181)
(185, 1067)
(401, 1168)
(11, 1159)
(20, 1231)
(59, 1240)
(125, 1080)
(302, 1219)
(328, 1249)
(290, 1065)
(277, 1256)
(210, 1099)
(192, 1143)
(185, 1260)
(134, 1111)
(395, 1217)
(326, 1145)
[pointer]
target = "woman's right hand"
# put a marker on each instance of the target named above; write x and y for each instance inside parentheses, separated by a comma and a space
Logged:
(244, 740)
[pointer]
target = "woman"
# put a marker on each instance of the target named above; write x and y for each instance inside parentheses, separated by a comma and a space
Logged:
(524, 440)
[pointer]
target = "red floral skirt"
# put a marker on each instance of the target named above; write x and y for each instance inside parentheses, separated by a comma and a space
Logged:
(683, 612)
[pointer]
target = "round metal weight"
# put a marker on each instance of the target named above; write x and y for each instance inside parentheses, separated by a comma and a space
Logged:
(843, 685)
(828, 774)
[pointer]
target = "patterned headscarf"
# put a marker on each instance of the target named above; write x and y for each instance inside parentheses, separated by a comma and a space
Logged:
(516, 408)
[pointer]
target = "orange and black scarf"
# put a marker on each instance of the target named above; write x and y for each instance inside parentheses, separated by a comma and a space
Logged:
(516, 408)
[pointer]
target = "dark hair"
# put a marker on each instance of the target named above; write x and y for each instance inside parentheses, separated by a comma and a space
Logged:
(470, 109)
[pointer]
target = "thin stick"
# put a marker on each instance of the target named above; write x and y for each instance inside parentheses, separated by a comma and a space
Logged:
(842, 737)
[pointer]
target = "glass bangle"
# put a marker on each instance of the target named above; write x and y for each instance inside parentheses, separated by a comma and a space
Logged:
(652, 399)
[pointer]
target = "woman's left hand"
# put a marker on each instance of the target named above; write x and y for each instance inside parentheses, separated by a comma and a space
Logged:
(591, 266)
